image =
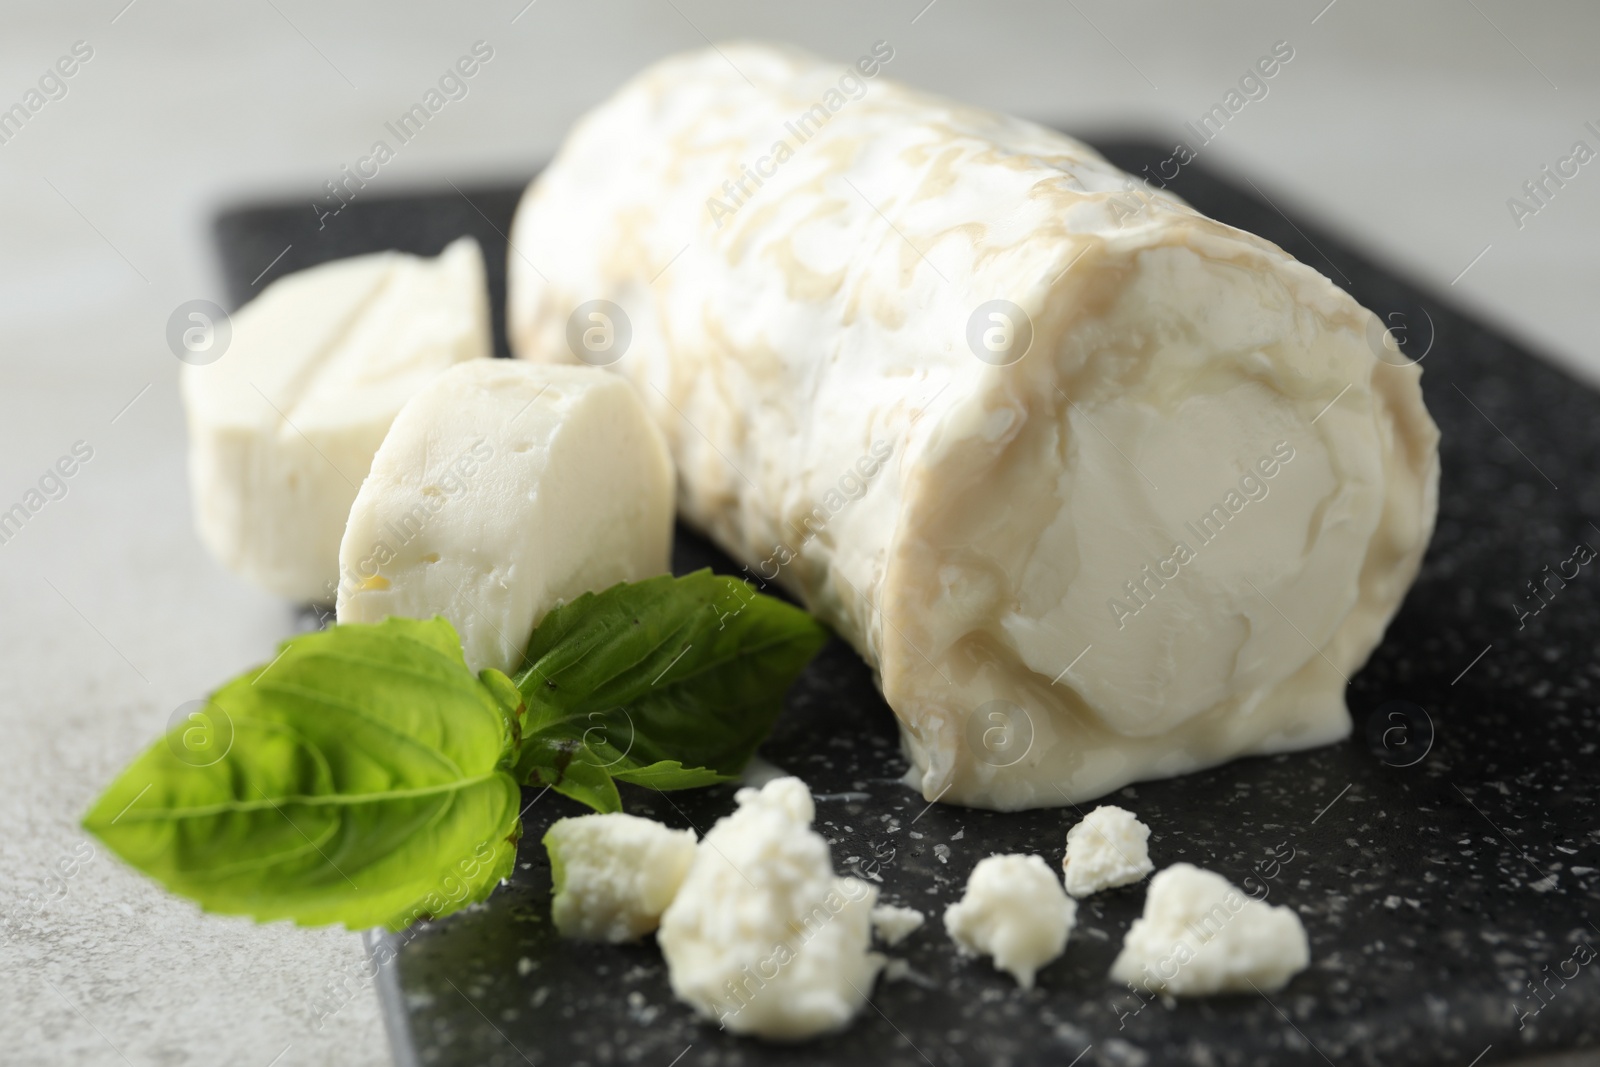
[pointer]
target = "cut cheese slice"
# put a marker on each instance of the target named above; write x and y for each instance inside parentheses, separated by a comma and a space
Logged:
(502, 490)
(1104, 490)
(283, 427)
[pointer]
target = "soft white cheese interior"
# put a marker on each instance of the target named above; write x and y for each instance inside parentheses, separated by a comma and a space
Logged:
(762, 937)
(1159, 534)
(1199, 935)
(614, 874)
(283, 427)
(503, 490)
(1015, 911)
(1106, 848)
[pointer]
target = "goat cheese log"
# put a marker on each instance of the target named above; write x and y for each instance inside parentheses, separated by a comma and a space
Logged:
(1102, 489)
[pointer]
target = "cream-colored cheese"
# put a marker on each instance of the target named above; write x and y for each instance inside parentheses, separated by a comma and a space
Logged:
(283, 426)
(1201, 935)
(614, 874)
(503, 490)
(1108, 847)
(1155, 526)
(762, 937)
(1015, 911)
(893, 924)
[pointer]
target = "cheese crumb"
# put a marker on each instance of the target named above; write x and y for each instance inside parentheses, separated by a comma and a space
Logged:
(763, 938)
(894, 924)
(1014, 910)
(614, 874)
(1201, 935)
(1109, 847)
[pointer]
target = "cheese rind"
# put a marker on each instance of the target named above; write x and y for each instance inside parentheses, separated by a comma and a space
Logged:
(1201, 935)
(614, 874)
(504, 489)
(1015, 911)
(283, 427)
(1107, 848)
(1160, 534)
(762, 937)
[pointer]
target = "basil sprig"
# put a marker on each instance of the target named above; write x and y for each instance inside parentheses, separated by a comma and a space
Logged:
(669, 683)
(366, 777)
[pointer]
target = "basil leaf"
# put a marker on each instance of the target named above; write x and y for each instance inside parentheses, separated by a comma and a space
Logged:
(670, 774)
(360, 778)
(669, 682)
(571, 769)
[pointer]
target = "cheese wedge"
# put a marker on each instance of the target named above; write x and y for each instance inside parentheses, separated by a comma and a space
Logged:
(1104, 490)
(502, 490)
(283, 427)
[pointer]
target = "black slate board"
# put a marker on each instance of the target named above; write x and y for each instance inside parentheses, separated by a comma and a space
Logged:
(1442, 858)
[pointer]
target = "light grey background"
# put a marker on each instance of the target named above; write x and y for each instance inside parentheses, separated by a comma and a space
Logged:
(1403, 127)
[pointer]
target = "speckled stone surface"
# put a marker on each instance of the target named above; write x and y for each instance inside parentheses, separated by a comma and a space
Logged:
(1445, 860)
